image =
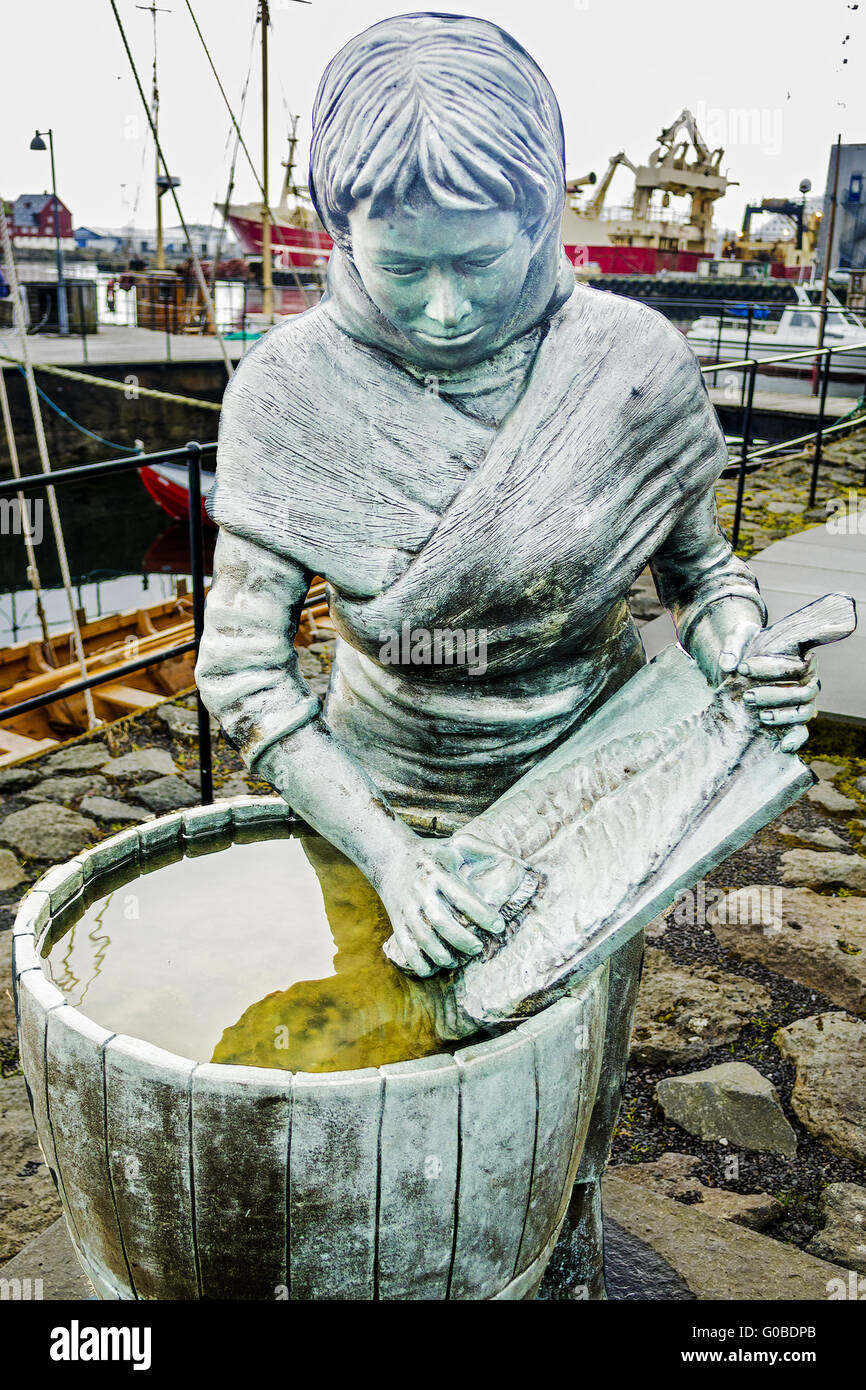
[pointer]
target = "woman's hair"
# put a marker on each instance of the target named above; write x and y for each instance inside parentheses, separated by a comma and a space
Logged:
(439, 106)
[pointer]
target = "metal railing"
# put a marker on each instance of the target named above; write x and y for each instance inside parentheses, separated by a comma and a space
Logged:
(750, 459)
(191, 455)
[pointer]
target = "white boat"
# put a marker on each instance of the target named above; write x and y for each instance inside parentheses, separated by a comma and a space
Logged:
(734, 338)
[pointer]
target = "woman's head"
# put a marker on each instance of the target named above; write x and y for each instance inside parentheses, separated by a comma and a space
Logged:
(437, 164)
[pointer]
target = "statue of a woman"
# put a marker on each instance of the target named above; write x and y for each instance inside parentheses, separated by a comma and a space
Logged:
(480, 457)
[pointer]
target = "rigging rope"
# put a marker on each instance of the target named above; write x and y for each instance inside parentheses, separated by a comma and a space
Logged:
(41, 444)
(275, 227)
(23, 512)
(199, 274)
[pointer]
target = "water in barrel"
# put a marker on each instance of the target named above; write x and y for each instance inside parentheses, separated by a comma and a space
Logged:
(265, 954)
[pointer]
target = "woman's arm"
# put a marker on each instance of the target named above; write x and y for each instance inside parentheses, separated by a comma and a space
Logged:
(717, 610)
(250, 681)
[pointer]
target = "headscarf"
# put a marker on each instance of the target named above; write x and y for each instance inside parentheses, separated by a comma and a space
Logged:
(458, 102)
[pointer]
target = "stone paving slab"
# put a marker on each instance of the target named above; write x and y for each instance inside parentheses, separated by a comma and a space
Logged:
(716, 1259)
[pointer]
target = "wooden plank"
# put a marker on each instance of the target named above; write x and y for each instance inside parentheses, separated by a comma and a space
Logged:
(74, 1059)
(240, 1150)
(129, 696)
(15, 746)
(497, 1141)
(147, 1107)
(333, 1164)
(418, 1156)
(567, 1043)
(37, 997)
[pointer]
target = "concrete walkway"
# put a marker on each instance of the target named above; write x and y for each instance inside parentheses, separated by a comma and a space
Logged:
(794, 572)
(119, 345)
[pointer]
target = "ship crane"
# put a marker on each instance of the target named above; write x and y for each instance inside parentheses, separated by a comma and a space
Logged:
(668, 171)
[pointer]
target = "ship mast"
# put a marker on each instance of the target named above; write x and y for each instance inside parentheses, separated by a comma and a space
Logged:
(153, 10)
(267, 262)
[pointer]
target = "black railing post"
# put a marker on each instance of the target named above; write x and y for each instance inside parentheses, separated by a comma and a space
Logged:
(819, 437)
(196, 552)
(744, 453)
(719, 334)
(746, 351)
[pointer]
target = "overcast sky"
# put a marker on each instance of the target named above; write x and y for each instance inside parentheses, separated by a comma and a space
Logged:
(765, 77)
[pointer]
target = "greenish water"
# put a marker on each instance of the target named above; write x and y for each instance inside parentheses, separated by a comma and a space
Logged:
(262, 954)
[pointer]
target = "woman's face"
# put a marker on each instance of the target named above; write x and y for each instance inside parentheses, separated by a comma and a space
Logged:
(445, 279)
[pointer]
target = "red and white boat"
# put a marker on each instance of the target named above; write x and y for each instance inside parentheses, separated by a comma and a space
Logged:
(305, 248)
(168, 485)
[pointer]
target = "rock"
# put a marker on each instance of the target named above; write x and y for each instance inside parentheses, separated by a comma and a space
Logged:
(786, 508)
(829, 1098)
(28, 1198)
(7, 1005)
(860, 784)
(754, 1210)
(143, 765)
(47, 831)
(825, 795)
(843, 1239)
(183, 722)
(68, 789)
(308, 663)
(236, 786)
(50, 1258)
(825, 838)
(11, 872)
(820, 942)
(733, 1102)
(825, 770)
(107, 809)
(670, 1175)
(165, 794)
(79, 757)
(718, 1260)
(682, 1013)
(13, 779)
(824, 869)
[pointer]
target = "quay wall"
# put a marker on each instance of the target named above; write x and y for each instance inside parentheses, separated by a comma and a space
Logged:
(118, 416)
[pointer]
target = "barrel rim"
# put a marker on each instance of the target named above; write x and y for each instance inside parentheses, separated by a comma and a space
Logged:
(53, 891)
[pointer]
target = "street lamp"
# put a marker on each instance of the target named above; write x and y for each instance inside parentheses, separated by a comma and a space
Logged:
(37, 143)
(805, 187)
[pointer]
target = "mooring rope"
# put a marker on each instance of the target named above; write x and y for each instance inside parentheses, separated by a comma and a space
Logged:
(109, 444)
(113, 385)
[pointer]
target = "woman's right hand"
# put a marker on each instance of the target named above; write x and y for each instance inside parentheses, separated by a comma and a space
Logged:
(436, 916)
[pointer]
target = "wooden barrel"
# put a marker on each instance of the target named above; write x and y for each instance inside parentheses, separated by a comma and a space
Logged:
(443, 1178)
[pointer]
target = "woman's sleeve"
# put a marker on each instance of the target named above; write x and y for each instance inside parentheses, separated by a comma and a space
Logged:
(247, 669)
(696, 566)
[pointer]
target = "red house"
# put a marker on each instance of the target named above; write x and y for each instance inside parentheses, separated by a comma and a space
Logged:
(33, 218)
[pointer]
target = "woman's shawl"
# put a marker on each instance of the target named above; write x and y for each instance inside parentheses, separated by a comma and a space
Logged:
(335, 457)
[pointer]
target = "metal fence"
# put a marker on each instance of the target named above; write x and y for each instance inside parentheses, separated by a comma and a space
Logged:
(191, 454)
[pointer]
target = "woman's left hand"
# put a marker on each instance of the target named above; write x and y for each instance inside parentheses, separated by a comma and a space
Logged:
(783, 690)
